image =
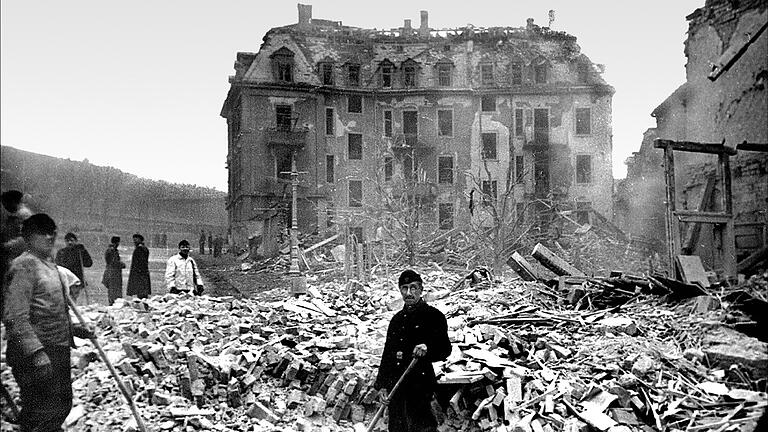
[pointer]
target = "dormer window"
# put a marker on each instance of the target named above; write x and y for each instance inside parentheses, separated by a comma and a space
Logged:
(282, 65)
(516, 73)
(326, 73)
(410, 69)
(387, 72)
(353, 75)
(486, 74)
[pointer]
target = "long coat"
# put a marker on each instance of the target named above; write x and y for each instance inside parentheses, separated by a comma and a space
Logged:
(138, 278)
(113, 274)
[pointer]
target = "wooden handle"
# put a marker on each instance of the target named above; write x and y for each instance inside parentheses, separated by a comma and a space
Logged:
(389, 397)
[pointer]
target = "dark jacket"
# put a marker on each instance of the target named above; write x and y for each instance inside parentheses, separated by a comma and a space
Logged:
(409, 327)
(138, 278)
(113, 274)
(74, 258)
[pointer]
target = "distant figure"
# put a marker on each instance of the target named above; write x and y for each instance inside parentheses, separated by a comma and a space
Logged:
(202, 242)
(217, 244)
(139, 284)
(74, 257)
(113, 274)
(210, 243)
(181, 273)
(164, 240)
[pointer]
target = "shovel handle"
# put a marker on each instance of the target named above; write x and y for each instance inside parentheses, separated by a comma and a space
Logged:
(389, 397)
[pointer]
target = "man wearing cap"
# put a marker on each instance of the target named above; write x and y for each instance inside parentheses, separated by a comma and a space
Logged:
(113, 273)
(181, 272)
(39, 328)
(74, 257)
(417, 331)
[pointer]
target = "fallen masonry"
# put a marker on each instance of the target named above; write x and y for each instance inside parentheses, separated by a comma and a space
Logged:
(525, 358)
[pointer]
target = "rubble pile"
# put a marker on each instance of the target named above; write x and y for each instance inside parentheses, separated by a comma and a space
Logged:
(524, 359)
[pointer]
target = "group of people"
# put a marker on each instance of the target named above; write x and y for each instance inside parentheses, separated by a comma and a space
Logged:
(215, 244)
(40, 333)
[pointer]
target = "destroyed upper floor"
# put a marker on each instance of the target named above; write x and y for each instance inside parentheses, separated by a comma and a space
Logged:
(320, 53)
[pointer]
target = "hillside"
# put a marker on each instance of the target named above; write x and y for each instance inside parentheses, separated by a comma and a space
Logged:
(83, 197)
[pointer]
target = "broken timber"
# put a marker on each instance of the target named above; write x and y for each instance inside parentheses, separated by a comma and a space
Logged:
(522, 267)
(551, 261)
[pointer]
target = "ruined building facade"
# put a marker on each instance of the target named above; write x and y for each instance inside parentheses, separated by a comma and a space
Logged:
(461, 115)
(725, 104)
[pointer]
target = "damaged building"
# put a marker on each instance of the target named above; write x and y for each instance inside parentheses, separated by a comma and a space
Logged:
(451, 118)
(723, 102)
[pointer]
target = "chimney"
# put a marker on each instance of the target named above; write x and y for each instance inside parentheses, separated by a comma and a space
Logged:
(529, 24)
(424, 27)
(407, 29)
(305, 16)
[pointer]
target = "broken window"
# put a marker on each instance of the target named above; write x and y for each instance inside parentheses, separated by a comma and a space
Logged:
(518, 122)
(489, 145)
(516, 73)
(326, 73)
(388, 168)
(582, 70)
(489, 191)
(488, 103)
(409, 76)
(583, 121)
(444, 75)
(410, 127)
(330, 177)
(519, 169)
(386, 76)
(353, 75)
(583, 169)
(388, 123)
(445, 216)
(582, 211)
(354, 104)
(329, 121)
(355, 193)
(283, 117)
(486, 74)
(540, 73)
(445, 169)
(330, 213)
(285, 71)
(282, 65)
(355, 146)
(444, 122)
(541, 126)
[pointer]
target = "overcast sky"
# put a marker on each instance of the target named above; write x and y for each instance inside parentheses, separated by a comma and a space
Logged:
(139, 85)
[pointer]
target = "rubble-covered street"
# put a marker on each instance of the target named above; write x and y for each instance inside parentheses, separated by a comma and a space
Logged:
(526, 356)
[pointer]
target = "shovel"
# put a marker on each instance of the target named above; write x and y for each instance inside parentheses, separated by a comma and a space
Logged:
(389, 397)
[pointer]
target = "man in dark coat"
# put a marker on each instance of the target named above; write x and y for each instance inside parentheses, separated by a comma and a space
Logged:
(139, 284)
(74, 257)
(202, 242)
(417, 331)
(39, 328)
(113, 274)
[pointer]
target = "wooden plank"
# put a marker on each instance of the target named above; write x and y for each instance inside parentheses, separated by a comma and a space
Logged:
(739, 45)
(692, 270)
(693, 147)
(758, 147)
(522, 267)
(322, 243)
(693, 229)
(551, 261)
(703, 217)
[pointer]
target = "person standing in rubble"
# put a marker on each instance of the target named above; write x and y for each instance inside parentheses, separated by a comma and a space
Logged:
(74, 257)
(181, 272)
(202, 242)
(113, 273)
(139, 284)
(417, 331)
(40, 331)
(210, 243)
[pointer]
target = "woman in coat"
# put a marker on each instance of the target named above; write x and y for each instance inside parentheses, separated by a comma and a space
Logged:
(138, 278)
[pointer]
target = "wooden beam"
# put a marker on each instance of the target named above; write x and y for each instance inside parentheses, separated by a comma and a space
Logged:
(693, 229)
(553, 262)
(324, 242)
(694, 147)
(703, 217)
(670, 221)
(758, 147)
(522, 267)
